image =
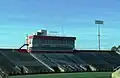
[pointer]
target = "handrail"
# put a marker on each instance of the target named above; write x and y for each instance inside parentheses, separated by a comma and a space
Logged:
(42, 62)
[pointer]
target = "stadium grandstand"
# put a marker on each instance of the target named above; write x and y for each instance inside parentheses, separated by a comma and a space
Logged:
(53, 54)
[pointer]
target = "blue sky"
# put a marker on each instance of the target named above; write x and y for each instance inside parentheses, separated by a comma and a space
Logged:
(76, 17)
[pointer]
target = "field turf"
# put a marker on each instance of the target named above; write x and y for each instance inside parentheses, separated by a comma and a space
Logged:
(69, 75)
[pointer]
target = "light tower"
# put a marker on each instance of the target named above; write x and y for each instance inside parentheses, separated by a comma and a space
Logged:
(99, 22)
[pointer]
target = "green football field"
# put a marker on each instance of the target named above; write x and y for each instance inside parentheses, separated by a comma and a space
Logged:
(69, 75)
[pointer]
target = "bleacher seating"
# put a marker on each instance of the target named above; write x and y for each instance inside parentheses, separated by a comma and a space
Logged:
(45, 59)
(23, 59)
(6, 65)
(94, 60)
(64, 59)
(108, 58)
(115, 55)
(69, 62)
(59, 57)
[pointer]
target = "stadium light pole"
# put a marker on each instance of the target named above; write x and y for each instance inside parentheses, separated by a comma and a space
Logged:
(99, 22)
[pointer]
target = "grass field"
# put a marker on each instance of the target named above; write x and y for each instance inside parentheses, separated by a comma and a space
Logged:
(69, 75)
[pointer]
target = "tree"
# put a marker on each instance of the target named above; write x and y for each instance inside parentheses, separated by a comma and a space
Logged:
(118, 48)
(114, 48)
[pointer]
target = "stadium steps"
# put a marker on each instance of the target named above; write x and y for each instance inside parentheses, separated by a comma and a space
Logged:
(57, 66)
(91, 59)
(59, 57)
(62, 59)
(108, 58)
(42, 62)
(19, 59)
(45, 59)
(9, 62)
(49, 62)
(106, 62)
(67, 68)
(76, 62)
(24, 59)
(94, 53)
(115, 55)
(3, 74)
(6, 64)
(59, 60)
(14, 64)
(74, 59)
(29, 63)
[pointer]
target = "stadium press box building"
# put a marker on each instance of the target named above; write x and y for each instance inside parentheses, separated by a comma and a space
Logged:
(41, 41)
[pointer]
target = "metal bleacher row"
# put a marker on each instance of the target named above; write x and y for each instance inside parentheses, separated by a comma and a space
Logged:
(14, 61)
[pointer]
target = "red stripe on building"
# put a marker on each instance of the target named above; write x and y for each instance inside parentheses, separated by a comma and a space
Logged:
(30, 37)
(22, 50)
(53, 37)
